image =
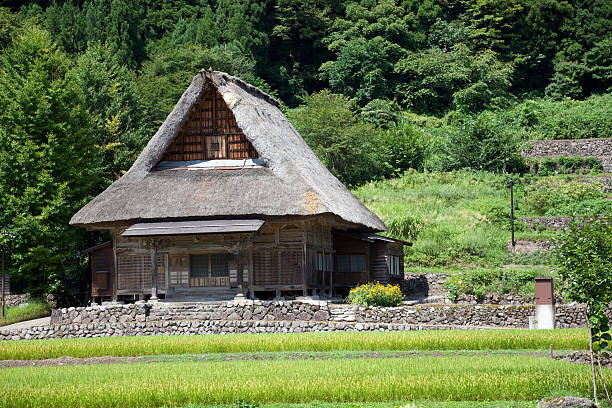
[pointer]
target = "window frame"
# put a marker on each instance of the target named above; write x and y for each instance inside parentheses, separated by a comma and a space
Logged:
(351, 263)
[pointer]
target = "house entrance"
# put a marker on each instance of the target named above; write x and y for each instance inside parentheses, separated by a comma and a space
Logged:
(210, 269)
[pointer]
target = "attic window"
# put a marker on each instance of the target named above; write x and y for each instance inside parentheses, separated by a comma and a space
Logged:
(210, 133)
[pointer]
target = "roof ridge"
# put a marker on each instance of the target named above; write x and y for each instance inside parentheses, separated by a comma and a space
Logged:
(252, 89)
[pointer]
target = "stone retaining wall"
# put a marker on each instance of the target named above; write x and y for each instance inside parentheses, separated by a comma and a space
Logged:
(598, 148)
(259, 316)
(15, 300)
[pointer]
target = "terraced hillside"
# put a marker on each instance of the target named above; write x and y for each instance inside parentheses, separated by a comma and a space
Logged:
(459, 222)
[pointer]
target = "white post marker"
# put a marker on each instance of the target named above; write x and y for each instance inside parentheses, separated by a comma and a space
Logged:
(545, 303)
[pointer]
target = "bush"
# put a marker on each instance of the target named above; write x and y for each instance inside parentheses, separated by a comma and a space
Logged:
(480, 282)
(476, 142)
(404, 226)
(564, 165)
(544, 196)
(376, 294)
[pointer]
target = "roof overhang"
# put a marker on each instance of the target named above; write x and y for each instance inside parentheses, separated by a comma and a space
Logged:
(369, 237)
(96, 247)
(156, 229)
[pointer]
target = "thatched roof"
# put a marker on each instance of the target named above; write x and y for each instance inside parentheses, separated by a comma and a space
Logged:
(292, 182)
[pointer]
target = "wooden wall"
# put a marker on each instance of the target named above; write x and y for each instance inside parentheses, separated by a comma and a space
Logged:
(210, 133)
(102, 271)
(379, 261)
(344, 244)
(282, 256)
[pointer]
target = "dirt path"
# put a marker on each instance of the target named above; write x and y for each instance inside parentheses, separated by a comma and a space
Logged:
(71, 361)
(43, 321)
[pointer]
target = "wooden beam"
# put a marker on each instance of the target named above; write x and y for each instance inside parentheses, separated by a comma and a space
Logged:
(153, 272)
(251, 274)
(240, 272)
(115, 283)
(304, 254)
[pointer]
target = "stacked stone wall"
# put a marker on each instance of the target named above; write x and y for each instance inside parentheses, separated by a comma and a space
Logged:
(259, 316)
(598, 148)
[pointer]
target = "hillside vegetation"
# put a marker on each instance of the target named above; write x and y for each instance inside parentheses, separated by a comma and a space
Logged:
(463, 217)
(459, 223)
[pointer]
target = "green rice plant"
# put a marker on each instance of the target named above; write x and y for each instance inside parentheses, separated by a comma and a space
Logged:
(435, 378)
(516, 339)
(33, 310)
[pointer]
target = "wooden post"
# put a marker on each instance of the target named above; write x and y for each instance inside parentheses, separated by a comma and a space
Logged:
(154, 271)
(331, 275)
(239, 273)
(116, 269)
(3, 283)
(304, 238)
(166, 275)
(251, 273)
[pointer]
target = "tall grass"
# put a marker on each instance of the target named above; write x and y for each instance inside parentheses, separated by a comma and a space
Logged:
(457, 378)
(33, 310)
(518, 339)
(463, 217)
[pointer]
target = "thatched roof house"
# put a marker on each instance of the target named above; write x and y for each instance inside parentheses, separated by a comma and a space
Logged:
(226, 184)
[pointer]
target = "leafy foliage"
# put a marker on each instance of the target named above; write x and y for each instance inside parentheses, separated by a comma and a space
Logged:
(342, 142)
(48, 162)
(584, 255)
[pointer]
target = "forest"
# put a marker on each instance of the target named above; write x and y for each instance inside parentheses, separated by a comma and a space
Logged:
(375, 87)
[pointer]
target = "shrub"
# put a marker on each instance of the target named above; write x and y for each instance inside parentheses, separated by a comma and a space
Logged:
(376, 294)
(483, 281)
(404, 226)
(544, 196)
(564, 165)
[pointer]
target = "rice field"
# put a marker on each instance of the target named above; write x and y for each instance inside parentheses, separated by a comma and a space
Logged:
(518, 339)
(453, 378)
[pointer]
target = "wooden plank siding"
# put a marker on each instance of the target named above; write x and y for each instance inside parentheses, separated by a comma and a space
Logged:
(379, 261)
(346, 245)
(282, 255)
(210, 133)
(102, 271)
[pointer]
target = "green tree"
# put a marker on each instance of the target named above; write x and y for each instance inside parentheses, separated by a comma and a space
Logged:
(584, 256)
(124, 30)
(166, 76)
(526, 33)
(367, 42)
(241, 21)
(48, 162)
(296, 46)
(121, 124)
(436, 80)
(477, 142)
(344, 144)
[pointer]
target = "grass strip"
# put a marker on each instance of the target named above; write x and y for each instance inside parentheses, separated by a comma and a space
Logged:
(396, 404)
(33, 310)
(458, 378)
(519, 339)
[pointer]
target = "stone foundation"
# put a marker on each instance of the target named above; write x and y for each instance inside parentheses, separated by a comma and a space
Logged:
(268, 317)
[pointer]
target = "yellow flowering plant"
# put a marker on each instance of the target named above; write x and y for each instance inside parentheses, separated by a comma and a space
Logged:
(376, 294)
